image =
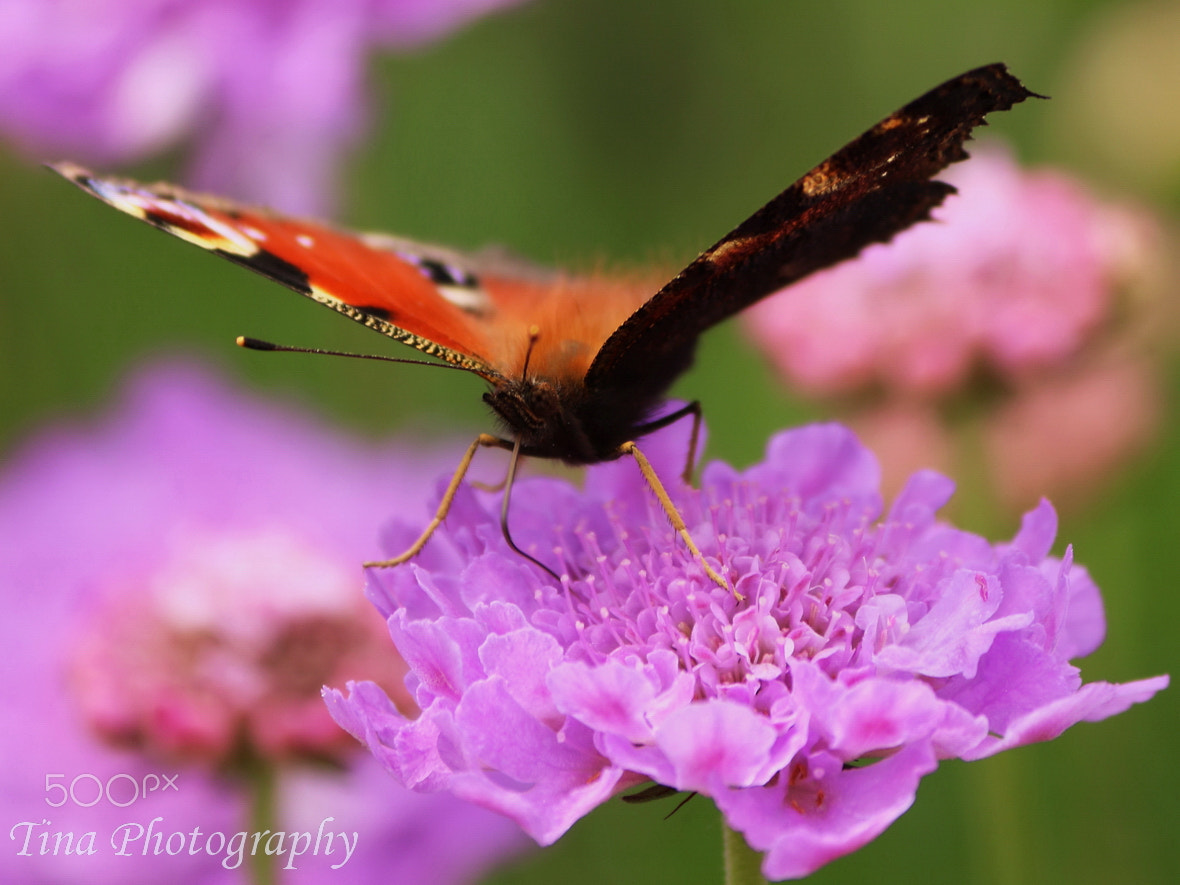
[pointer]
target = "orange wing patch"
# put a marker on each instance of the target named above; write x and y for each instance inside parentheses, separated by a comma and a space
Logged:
(381, 290)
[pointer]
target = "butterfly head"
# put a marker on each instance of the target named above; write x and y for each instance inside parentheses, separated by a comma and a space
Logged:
(548, 418)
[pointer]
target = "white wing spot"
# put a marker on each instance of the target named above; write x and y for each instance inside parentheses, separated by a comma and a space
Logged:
(467, 299)
(305, 241)
(254, 233)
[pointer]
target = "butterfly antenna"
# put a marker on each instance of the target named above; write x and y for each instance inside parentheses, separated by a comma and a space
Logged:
(508, 482)
(257, 344)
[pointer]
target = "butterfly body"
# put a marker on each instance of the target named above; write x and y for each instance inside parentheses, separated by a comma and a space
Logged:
(578, 367)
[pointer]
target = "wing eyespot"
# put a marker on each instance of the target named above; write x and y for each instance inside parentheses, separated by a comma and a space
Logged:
(458, 286)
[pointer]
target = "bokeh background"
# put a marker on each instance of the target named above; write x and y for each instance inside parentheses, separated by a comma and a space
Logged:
(623, 132)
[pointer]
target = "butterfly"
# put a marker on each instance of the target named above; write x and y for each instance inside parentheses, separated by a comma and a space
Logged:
(577, 367)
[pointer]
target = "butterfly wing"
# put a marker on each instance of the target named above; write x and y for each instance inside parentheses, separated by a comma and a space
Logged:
(427, 297)
(868, 191)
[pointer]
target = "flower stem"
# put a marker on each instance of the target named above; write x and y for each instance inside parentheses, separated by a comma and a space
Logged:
(263, 780)
(743, 865)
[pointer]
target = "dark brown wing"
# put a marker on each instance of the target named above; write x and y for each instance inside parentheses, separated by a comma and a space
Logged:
(868, 191)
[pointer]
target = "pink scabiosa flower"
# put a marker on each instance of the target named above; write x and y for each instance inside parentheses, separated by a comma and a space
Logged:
(856, 649)
(270, 93)
(1015, 274)
(181, 581)
(1024, 285)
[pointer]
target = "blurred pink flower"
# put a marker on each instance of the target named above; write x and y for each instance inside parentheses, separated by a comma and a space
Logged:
(1016, 273)
(1016, 327)
(218, 645)
(1060, 437)
(906, 436)
(181, 581)
(1049, 438)
(269, 92)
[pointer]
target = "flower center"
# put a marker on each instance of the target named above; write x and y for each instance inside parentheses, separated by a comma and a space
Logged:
(222, 645)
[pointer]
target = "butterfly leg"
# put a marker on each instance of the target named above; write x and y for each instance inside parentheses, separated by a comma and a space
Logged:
(483, 441)
(653, 482)
(694, 409)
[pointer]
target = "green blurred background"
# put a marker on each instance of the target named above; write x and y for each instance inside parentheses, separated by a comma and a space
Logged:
(626, 131)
